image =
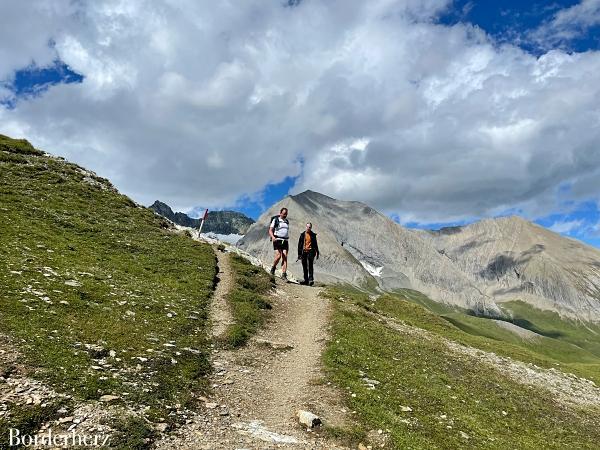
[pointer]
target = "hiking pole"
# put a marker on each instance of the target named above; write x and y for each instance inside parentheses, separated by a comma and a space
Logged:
(202, 222)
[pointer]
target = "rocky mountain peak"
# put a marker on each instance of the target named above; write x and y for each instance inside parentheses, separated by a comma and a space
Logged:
(220, 222)
(472, 266)
(312, 195)
(162, 208)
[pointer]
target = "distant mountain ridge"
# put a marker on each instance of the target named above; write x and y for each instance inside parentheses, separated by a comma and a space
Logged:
(476, 267)
(509, 257)
(220, 222)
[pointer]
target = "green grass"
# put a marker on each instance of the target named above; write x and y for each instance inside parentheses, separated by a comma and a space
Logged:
(421, 299)
(443, 389)
(550, 324)
(132, 433)
(27, 419)
(9, 146)
(91, 279)
(558, 350)
(247, 300)
(572, 348)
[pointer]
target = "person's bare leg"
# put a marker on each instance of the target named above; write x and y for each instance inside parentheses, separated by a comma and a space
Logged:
(284, 263)
(277, 258)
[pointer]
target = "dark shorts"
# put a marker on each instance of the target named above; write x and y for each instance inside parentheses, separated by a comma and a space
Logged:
(281, 244)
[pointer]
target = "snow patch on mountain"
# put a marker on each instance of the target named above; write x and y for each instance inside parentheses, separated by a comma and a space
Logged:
(229, 238)
(375, 271)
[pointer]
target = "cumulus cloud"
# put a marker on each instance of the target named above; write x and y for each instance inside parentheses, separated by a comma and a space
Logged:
(201, 103)
(26, 33)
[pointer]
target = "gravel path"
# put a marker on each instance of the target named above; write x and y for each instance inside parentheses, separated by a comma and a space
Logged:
(258, 389)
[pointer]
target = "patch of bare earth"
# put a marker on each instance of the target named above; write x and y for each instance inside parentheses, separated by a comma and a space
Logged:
(258, 389)
(16, 387)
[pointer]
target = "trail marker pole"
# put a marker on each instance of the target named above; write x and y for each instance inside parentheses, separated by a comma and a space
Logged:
(202, 223)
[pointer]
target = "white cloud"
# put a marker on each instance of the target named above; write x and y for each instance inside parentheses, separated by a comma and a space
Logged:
(6, 94)
(567, 227)
(202, 102)
(26, 30)
(584, 14)
(567, 24)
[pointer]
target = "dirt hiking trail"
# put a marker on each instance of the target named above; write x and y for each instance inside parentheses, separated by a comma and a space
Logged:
(258, 389)
(220, 313)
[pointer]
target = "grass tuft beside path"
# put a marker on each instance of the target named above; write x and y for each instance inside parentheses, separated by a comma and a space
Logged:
(247, 300)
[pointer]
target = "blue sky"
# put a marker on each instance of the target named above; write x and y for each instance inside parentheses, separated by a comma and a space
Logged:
(510, 21)
(256, 205)
(32, 80)
(413, 107)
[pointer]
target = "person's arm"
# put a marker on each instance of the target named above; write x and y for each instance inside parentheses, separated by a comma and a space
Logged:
(300, 244)
(316, 245)
(271, 230)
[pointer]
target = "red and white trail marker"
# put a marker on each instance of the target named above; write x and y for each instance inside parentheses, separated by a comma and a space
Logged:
(203, 219)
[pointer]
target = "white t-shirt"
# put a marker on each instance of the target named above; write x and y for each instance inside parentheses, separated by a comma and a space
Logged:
(283, 230)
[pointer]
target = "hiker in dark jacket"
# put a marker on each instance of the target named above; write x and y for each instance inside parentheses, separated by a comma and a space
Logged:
(307, 250)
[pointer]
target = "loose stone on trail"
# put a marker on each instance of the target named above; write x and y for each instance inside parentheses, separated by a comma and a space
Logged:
(308, 419)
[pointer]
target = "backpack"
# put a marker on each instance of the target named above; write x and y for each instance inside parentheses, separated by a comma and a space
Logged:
(276, 219)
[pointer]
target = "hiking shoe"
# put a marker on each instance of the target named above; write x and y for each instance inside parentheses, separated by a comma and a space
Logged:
(273, 270)
(311, 282)
(304, 283)
(284, 276)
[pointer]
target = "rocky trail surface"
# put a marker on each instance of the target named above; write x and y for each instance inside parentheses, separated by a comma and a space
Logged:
(258, 389)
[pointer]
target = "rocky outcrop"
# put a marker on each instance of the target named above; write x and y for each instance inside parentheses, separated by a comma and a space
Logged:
(220, 222)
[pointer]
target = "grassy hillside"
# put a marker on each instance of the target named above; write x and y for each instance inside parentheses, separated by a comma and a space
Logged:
(572, 346)
(97, 294)
(408, 383)
(549, 324)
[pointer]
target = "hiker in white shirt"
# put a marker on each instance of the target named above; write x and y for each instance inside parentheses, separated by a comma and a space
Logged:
(279, 230)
